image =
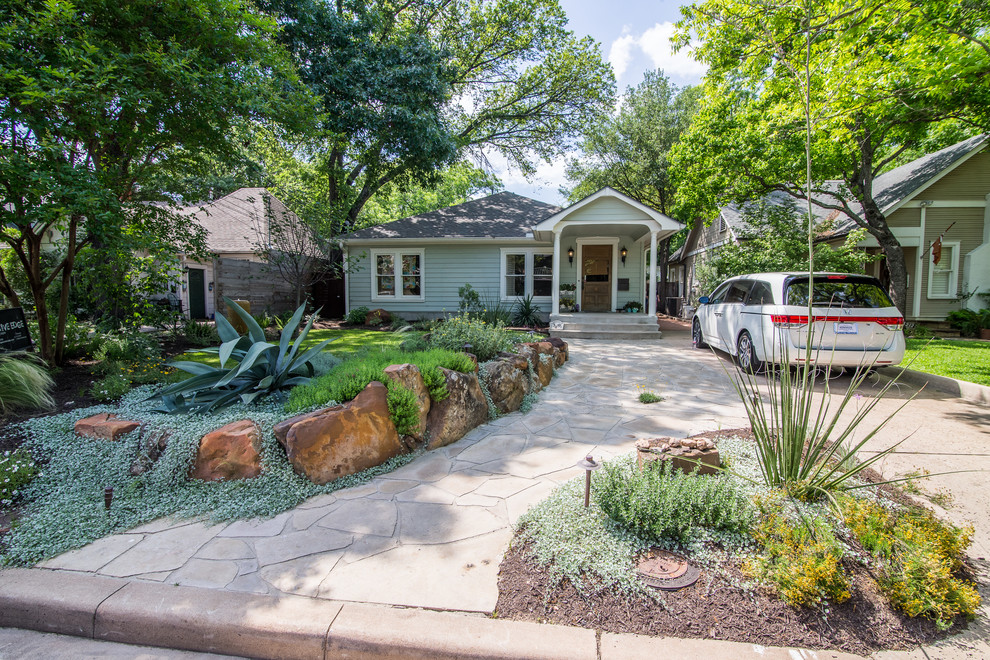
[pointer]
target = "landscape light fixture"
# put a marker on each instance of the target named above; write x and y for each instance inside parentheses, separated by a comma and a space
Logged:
(589, 465)
(570, 255)
(623, 252)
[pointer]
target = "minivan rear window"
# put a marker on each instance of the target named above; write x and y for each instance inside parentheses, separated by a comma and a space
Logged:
(855, 292)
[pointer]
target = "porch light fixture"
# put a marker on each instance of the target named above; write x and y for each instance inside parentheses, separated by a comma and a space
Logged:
(623, 252)
(570, 255)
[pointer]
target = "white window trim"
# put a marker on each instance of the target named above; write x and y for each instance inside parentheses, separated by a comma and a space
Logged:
(529, 252)
(397, 255)
(953, 273)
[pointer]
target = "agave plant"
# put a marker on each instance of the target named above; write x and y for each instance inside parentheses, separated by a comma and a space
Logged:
(258, 368)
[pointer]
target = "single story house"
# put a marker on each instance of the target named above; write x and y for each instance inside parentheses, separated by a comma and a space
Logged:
(238, 232)
(513, 247)
(943, 194)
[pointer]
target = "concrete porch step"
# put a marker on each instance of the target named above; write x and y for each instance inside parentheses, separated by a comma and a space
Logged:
(623, 333)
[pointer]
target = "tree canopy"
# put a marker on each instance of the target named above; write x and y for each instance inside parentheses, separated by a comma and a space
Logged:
(94, 96)
(630, 150)
(882, 73)
(409, 88)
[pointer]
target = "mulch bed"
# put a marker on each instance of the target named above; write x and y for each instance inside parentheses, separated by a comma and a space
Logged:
(714, 608)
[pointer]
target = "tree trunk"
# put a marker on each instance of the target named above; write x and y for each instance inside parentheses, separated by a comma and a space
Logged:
(63, 301)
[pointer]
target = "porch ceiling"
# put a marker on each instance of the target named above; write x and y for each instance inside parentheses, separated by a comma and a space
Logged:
(637, 231)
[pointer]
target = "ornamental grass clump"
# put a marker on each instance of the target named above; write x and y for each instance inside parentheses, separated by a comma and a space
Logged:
(918, 559)
(258, 369)
(24, 382)
(662, 502)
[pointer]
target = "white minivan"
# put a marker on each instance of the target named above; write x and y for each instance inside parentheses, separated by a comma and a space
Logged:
(763, 318)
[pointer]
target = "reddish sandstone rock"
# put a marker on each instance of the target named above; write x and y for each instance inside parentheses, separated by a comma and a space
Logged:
(560, 353)
(408, 376)
(105, 426)
(543, 366)
(464, 409)
(231, 452)
(508, 382)
(334, 442)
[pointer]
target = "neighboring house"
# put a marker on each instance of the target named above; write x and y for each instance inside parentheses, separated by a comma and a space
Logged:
(510, 246)
(238, 228)
(945, 193)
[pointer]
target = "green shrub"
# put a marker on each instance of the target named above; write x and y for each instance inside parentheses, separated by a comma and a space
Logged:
(917, 331)
(402, 408)
(470, 302)
(110, 388)
(493, 311)
(662, 502)
(346, 380)
(919, 558)
(968, 322)
(17, 469)
(801, 558)
(200, 334)
(24, 382)
(649, 397)
(485, 339)
(260, 369)
(357, 316)
(123, 347)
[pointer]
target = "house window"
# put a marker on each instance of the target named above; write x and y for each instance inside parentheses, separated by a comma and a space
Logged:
(527, 273)
(398, 275)
(943, 277)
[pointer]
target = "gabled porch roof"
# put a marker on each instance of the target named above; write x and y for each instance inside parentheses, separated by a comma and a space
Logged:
(606, 208)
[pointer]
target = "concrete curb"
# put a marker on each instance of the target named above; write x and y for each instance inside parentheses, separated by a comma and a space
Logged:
(214, 621)
(972, 392)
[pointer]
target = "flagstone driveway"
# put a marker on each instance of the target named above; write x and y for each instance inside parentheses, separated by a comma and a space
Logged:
(432, 533)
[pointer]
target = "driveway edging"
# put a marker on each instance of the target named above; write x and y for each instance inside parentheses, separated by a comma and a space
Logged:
(972, 392)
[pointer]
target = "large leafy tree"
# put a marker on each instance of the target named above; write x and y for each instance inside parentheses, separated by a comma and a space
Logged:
(630, 150)
(408, 88)
(93, 96)
(882, 73)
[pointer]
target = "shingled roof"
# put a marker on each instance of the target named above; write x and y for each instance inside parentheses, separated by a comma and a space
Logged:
(238, 222)
(503, 215)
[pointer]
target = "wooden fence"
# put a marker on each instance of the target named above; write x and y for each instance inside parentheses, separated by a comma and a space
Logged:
(240, 279)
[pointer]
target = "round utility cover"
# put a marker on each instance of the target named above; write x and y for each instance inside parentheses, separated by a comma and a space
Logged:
(665, 570)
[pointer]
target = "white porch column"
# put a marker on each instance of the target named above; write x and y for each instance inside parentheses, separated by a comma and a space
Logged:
(555, 280)
(652, 306)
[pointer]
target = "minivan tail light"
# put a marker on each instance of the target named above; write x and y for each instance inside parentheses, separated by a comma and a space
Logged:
(792, 320)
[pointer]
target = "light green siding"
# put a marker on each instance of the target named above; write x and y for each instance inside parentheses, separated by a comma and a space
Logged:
(968, 232)
(446, 268)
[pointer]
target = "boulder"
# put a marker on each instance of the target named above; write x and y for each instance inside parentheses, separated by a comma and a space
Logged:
(508, 382)
(464, 409)
(105, 426)
(377, 317)
(542, 366)
(231, 452)
(561, 354)
(408, 376)
(334, 442)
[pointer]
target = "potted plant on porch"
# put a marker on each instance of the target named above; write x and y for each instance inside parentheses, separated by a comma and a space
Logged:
(567, 298)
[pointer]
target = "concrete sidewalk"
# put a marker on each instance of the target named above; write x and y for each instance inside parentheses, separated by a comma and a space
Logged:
(335, 576)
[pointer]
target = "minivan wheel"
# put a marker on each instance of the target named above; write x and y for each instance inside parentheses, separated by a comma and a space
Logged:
(697, 338)
(746, 354)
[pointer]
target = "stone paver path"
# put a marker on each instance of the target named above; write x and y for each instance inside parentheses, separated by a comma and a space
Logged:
(432, 533)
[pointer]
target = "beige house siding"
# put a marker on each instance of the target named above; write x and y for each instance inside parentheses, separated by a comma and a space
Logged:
(969, 181)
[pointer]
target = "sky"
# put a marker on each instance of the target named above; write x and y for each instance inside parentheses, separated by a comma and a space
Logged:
(635, 37)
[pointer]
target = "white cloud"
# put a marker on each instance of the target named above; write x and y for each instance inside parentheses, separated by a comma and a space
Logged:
(620, 54)
(655, 44)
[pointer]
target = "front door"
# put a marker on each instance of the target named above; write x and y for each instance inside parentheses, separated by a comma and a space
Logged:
(197, 294)
(596, 278)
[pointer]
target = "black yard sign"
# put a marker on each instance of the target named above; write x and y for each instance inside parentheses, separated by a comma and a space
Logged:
(14, 335)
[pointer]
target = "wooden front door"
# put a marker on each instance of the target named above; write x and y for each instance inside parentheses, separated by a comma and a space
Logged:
(596, 278)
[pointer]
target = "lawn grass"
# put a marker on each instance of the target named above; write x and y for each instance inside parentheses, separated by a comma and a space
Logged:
(347, 343)
(959, 359)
